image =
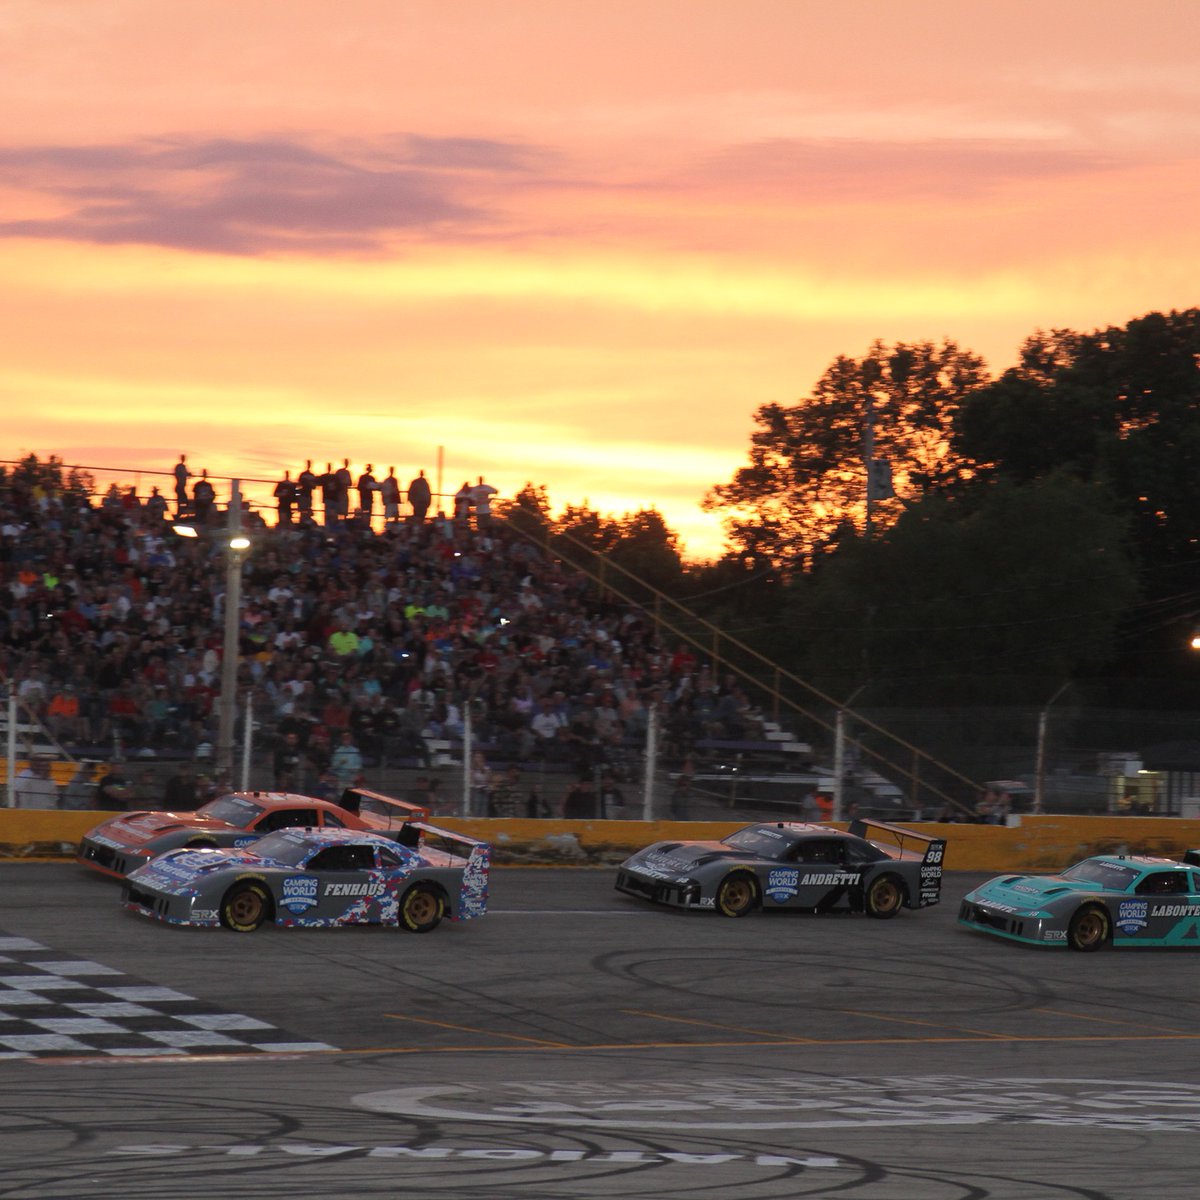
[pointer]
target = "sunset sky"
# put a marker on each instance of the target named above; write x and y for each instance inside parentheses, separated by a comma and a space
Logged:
(574, 242)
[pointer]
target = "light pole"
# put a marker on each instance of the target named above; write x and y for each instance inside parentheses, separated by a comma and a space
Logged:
(1039, 769)
(236, 544)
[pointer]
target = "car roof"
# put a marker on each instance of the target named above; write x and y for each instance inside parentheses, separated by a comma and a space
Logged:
(799, 830)
(331, 835)
(272, 800)
(1144, 861)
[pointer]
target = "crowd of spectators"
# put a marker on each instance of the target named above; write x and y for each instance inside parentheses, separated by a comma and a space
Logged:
(363, 645)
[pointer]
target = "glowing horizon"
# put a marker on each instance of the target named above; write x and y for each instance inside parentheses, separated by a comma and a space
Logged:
(574, 245)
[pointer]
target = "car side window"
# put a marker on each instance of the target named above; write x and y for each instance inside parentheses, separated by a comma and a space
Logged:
(329, 818)
(286, 818)
(389, 858)
(343, 858)
(1164, 883)
(817, 852)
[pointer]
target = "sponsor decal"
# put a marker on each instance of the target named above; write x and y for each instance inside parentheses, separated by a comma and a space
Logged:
(372, 888)
(1131, 915)
(1025, 889)
(1054, 935)
(473, 898)
(832, 879)
(781, 884)
(934, 854)
(299, 893)
(101, 840)
(931, 872)
(655, 873)
(204, 914)
(1176, 910)
(240, 843)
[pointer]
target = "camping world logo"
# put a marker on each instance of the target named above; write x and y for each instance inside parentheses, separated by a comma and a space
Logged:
(1131, 915)
(781, 885)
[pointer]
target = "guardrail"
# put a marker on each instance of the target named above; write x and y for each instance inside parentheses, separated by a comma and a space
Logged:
(1043, 844)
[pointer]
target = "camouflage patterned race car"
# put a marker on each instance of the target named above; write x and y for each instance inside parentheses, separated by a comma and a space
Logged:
(1118, 900)
(121, 844)
(319, 877)
(874, 867)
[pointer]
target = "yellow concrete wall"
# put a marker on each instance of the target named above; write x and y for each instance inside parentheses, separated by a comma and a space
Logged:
(1037, 844)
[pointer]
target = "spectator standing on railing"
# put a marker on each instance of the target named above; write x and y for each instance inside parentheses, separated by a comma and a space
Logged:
(462, 504)
(389, 496)
(419, 497)
(285, 498)
(328, 483)
(367, 487)
(306, 484)
(204, 497)
(182, 475)
(481, 503)
(156, 507)
(343, 482)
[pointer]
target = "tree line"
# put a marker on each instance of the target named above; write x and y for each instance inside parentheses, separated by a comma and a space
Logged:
(1029, 529)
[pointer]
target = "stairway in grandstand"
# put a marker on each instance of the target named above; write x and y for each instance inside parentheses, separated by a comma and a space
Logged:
(886, 768)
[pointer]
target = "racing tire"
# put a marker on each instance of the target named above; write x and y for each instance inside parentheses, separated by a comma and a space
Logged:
(884, 897)
(421, 908)
(1089, 929)
(245, 907)
(737, 895)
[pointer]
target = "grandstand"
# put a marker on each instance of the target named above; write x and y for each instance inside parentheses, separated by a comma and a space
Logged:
(451, 651)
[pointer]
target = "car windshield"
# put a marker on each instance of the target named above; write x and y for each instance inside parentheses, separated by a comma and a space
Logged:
(286, 846)
(1114, 876)
(759, 840)
(233, 810)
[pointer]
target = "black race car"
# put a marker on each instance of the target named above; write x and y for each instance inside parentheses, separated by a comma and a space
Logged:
(874, 867)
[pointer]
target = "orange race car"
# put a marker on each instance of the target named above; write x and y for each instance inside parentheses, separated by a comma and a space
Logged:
(237, 819)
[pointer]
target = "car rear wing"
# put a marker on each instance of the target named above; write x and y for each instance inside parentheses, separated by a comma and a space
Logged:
(911, 844)
(394, 812)
(476, 857)
(913, 847)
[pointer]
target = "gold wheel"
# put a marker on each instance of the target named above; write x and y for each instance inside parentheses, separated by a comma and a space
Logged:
(245, 907)
(884, 897)
(737, 895)
(421, 909)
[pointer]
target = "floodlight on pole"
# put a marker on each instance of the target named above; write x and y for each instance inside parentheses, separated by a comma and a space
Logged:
(236, 544)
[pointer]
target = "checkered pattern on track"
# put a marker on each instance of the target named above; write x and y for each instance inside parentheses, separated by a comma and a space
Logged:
(51, 1006)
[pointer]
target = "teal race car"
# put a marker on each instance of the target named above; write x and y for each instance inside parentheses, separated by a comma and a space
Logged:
(1117, 900)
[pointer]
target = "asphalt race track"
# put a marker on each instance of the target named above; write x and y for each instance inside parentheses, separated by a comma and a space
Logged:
(575, 1043)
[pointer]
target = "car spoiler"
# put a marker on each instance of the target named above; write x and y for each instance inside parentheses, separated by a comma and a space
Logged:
(1192, 858)
(930, 849)
(393, 810)
(473, 895)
